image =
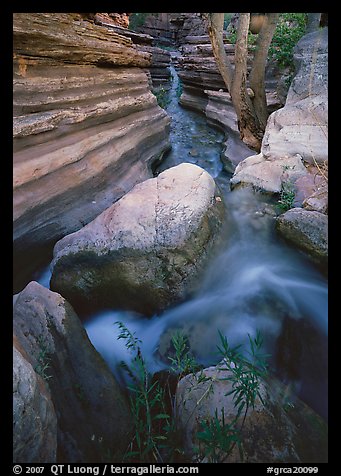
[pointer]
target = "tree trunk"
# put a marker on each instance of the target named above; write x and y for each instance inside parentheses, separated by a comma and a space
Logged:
(251, 122)
(313, 22)
(215, 31)
(257, 75)
(248, 123)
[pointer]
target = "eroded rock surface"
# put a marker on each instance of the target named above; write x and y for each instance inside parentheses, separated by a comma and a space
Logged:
(145, 251)
(93, 418)
(86, 126)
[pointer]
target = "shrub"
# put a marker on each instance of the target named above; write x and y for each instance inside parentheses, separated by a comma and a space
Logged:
(287, 196)
(290, 28)
(138, 19)
(162, 97)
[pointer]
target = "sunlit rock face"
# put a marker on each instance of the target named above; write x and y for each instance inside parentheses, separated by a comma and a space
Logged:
(86, 126)
(145, 251)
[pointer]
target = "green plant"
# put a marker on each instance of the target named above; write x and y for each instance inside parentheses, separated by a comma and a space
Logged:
(217, 438)
(183, 362)
(246, 373)
(179, 89)
(147, 402)
(290, 28)
(287, 196)
(156, 435)
(162, 97)
(43, 360)
(251, 38)
(137, 20)
(227, 19)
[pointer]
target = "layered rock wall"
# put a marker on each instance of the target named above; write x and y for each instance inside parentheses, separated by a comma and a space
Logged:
(173, 28)
(86, 126)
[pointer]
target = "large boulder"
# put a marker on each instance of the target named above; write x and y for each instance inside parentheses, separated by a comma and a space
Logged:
(284, 430)
(146, 250)
(268, 174)
(34, 417)
(306, 230)
(93, 417)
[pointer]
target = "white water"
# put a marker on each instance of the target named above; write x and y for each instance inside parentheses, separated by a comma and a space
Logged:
(254, 283)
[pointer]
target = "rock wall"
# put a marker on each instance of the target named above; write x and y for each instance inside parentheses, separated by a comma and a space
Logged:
(115, 19)
(172, 28)
(34, 417)
(86, 126)
(158, 70)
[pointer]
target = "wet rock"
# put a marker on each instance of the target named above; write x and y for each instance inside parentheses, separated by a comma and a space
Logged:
(34, 417)
(284, 430)
(173, 27)
(145, 251)
(93, 417)
(303, 362)
(307, 230)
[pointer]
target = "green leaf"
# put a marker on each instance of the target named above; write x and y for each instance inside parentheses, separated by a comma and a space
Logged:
(161, 415)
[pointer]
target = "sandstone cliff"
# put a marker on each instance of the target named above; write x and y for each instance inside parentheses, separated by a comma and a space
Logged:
(86, 126)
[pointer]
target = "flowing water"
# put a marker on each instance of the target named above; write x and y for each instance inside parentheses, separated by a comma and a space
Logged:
(255, 282)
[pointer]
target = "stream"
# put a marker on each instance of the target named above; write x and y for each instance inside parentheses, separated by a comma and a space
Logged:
(255, 282)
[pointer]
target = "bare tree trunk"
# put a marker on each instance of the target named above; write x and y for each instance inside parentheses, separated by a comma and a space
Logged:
(252, 115)
(313, 22)
(248, 123)
(215, 31)
(257, 75)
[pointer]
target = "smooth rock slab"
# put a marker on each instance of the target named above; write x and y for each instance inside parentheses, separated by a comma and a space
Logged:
(306, 230)
(145, 251)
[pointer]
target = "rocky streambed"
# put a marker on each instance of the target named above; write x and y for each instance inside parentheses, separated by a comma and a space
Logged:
(178, 251)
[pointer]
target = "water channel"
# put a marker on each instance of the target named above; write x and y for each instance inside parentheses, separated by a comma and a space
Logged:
(256, 282)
